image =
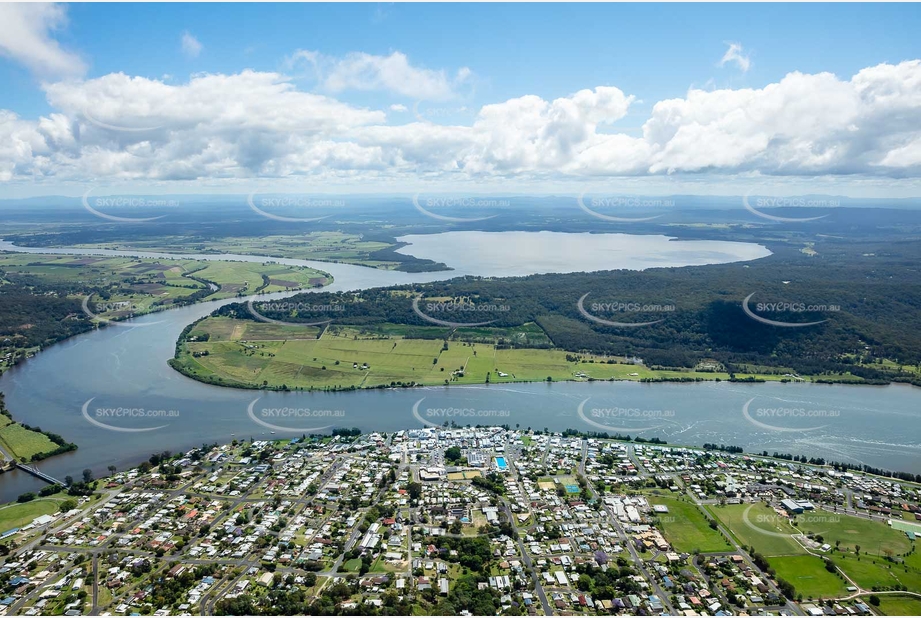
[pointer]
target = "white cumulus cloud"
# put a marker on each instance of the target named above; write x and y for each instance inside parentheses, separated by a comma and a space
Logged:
(393, 73)
(256, 124)
(25, 36)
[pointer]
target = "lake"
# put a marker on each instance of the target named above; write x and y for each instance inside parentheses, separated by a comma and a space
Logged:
(516, 254)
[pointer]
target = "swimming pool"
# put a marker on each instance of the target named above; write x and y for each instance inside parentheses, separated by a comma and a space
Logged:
(500, 463)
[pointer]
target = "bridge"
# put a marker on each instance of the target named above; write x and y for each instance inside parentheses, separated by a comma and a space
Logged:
(39, 474)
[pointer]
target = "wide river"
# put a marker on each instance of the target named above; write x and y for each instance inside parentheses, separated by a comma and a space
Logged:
(77, 386)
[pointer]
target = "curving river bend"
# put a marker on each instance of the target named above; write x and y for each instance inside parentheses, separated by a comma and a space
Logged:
(124, 367)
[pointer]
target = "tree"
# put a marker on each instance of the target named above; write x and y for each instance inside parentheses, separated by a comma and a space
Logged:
(67, 505)
(87, 476)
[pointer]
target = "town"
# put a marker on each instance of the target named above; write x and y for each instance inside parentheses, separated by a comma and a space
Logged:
(465, 521)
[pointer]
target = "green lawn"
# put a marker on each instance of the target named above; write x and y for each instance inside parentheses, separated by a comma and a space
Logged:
(895, 605)
(686, 527)
(808, 576)
(352, 565)
(759, 526)
(871, 572)
(872, 536)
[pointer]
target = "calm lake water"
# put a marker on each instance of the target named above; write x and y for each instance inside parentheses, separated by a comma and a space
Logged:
(124, 368)
(512, 254)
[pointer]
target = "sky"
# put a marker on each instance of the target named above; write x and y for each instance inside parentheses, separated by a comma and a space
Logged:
(476, 98)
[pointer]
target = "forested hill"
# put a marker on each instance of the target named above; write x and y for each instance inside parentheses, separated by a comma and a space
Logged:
(875, 286)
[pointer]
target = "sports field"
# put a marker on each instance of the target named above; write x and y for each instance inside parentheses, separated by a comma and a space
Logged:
(873, 537)
(18, 515)
(771, 535)
(686, 527)
(759, 526)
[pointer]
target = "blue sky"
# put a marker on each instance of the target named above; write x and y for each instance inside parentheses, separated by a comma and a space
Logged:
(417, 77)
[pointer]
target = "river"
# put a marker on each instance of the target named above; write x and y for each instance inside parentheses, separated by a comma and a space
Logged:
(124, 368)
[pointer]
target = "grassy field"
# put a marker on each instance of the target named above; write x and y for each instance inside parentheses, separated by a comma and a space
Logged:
(22, 443)
(248, 353)
(768, 533)
(686, 527)
(895, 605)
(140, 285)
(331, 246)
(19, 515)
(244, 278)
(809, 577)
(873, 537)
(872, 573)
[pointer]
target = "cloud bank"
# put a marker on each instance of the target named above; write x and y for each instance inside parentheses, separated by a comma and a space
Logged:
(261, 125)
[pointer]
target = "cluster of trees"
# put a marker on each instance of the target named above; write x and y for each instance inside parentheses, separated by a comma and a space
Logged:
(473, 553)
(902, 476)
(817, 461)
(613, 582)
(38, 315)
(723, 448)
(492, 482)
(604, 435)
